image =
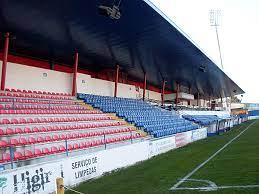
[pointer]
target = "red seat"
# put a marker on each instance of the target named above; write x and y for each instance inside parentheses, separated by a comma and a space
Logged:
(14, 142)
(61, 148)
(48, 138)
(27, 130)
(6, 157)
(18, 130)
(5, 121)
(23, 141)
(14, 121)
(45, 151)
(28, 154)
(37, 120)
(54, 149)
(35, 130)
(30, 120)
(31, 140)
(55, 137)
(37, 152)
(70, 147)
(42, 129)
(3, 143)
(75, 146)
(49, 128)
(18, 155)
(40, 139)
(22, 120)
(62, 136)
(2, 132)
(82, 145)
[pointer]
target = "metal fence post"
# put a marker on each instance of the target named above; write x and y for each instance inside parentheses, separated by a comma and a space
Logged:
(66, 147)
(12, 156)
(131, 137)
(104, 138)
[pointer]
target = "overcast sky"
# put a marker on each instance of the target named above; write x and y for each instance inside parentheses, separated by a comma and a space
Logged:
(238, 34)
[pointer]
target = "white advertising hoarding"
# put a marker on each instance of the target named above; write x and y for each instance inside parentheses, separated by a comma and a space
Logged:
(41, 178)
(161, 145)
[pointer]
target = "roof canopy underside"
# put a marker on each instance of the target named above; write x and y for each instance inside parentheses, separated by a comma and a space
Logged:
(142, 40)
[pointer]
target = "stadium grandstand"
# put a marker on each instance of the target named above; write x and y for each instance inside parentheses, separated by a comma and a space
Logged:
(85, 91)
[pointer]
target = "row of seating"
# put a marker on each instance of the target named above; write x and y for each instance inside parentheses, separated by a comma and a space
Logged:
(28, 140)
(202, 119)
(46, 151)
(36, 92)
(42, 111)
(99, 117)
(35, 101)
(151, 119)
(45, 106)
(51, 128)
(31, 95)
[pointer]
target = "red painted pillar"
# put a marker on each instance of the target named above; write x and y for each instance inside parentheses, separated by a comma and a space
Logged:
(116, 80)
(163, 93)
(4, 64)
(144, 87)
(176, 94)
(190, 92)
(74, 87)
(198, 98)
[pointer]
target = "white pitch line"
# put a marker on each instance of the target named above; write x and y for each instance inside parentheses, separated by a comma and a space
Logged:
(211, 157)
(217, 187)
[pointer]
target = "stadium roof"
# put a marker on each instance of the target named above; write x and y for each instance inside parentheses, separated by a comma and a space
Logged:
(143, 39)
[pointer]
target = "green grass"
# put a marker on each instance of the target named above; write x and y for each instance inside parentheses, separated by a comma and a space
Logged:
(238, 164)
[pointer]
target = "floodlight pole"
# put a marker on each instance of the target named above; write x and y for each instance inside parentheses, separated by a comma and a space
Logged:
(144, 86)
(5, 56)
(215, 22)
(163, 93)
(74, 87)
(219, 46)
(116, 80)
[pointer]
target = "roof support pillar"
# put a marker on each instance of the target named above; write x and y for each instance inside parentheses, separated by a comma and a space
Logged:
(74, 86)
(4, 64)
(144, 86)
(190, 92)
(177, 93)
(163, 93)
(198, 99)
(116, 80)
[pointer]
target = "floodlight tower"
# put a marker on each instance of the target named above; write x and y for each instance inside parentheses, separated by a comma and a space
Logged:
(214, 21)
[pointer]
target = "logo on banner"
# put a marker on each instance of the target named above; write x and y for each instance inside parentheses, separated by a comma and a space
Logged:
(3, 181)
(28, 182)
(85, 167)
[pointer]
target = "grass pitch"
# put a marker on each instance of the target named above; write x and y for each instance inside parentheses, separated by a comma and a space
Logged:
(237, 164)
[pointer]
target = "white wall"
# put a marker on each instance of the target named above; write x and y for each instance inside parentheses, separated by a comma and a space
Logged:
(32, 78)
